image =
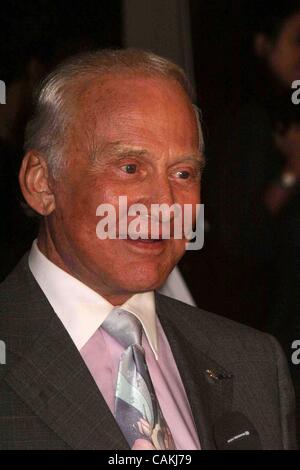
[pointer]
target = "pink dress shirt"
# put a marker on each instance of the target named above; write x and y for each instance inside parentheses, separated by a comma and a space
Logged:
(82, 312)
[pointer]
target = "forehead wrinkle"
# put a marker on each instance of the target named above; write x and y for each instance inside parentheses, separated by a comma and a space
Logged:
(137, 121)
(93, 127)
(134, 119)
(117, 150)
(108, 107)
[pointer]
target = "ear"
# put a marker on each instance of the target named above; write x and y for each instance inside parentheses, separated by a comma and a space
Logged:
(262, 45)
(36, 183)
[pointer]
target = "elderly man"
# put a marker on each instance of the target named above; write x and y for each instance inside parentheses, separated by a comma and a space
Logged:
(95, 358)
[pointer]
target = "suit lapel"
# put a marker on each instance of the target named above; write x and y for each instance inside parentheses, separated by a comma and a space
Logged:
(50, 376)
(208, 385)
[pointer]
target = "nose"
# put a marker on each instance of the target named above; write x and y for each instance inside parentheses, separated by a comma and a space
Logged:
(159, 198)
(161, 191)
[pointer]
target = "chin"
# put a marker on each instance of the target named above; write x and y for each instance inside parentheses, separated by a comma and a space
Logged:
(144, 281)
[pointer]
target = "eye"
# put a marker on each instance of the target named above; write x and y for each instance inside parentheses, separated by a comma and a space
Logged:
(129, 168)
(183, 174)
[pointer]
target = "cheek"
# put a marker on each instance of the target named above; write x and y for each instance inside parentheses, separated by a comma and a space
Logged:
(83, 214)
(88, 196)
(76, 212)
(190, 204)
(191, 196)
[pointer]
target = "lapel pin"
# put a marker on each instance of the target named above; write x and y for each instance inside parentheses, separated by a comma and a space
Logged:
(218, 376)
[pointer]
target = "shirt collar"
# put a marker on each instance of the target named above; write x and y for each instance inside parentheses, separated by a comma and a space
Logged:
(82, 310)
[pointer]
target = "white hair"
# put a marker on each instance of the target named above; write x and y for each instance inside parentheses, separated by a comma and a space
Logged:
(46, 131)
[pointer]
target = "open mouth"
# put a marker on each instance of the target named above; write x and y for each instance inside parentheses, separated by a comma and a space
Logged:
(147, 240)
(147, 244)
(142, 238)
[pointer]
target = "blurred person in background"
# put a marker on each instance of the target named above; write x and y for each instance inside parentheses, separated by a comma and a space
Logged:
(256, 207)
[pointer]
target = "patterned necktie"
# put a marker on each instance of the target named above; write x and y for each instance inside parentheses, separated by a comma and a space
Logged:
(137, 410)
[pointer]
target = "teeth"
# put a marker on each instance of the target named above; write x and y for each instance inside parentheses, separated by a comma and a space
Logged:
(147, 240)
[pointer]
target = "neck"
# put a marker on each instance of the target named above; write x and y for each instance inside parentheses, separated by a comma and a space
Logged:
(47, 246)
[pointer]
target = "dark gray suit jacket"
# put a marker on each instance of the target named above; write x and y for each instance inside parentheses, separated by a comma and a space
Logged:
(49, 400)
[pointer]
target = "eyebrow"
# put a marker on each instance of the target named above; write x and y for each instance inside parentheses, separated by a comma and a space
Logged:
(119, 151)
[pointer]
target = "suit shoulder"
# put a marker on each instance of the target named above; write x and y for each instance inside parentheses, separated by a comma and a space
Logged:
(14, 285)
(217, 329)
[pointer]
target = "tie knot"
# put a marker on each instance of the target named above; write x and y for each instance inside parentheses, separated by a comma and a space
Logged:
(124, 327)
